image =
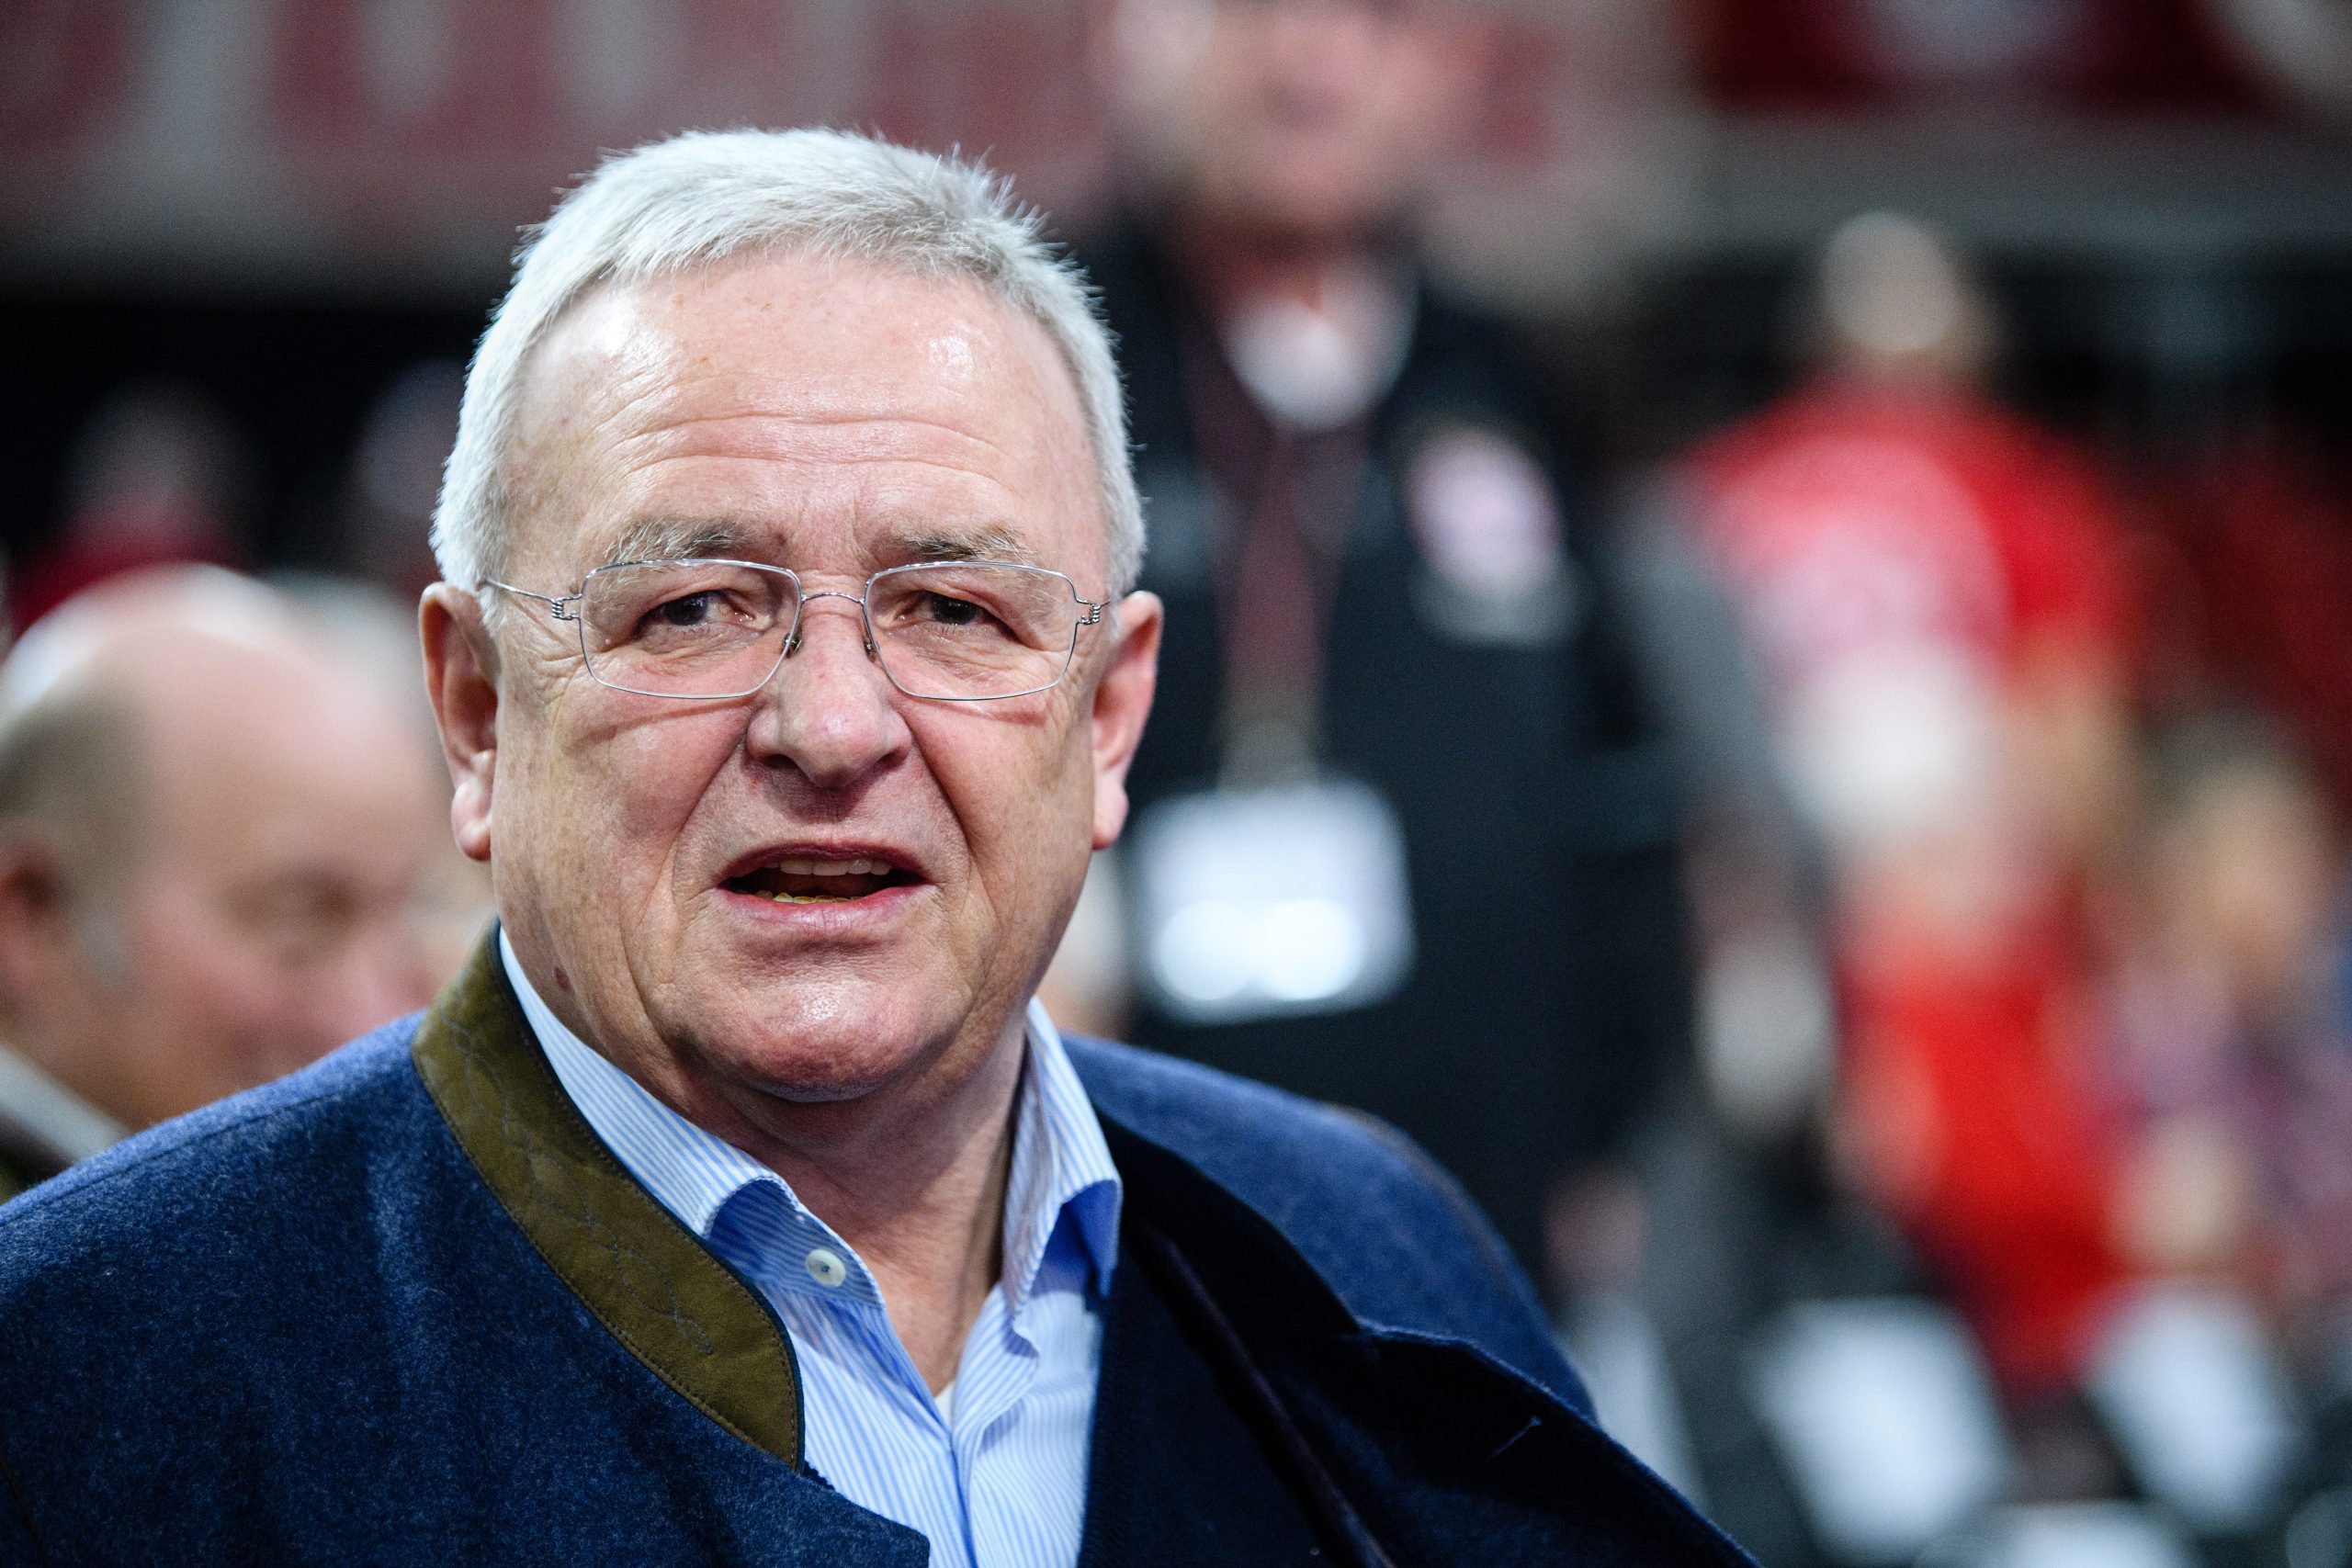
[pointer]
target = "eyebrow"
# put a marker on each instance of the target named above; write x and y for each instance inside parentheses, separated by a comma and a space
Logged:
(687, 538)
(674, 539)
(990, 542)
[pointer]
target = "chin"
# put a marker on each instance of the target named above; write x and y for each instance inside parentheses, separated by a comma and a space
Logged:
(798, 1082)
(821, 1047)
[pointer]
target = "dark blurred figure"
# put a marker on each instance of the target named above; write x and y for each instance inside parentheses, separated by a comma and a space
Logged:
(213, 830)
(386, 516)
(2231, 1045)
(1401, 844)
(156, 480)
(2260, 589)
(1932, 590)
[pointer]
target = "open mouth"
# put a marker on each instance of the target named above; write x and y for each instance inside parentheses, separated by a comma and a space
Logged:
(795, 879)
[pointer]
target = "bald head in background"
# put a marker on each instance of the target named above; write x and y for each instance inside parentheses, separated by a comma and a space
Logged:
(214, 826)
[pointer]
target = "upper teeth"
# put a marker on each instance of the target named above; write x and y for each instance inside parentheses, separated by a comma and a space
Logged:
(793, 866)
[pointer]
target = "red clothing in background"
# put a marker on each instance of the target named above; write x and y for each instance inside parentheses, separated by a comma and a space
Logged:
(1918, 571)
(1856, 514)
(1986, 1140)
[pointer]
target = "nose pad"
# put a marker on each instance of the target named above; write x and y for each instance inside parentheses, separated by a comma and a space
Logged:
(792, 643)
(800, 623)
(835, 725)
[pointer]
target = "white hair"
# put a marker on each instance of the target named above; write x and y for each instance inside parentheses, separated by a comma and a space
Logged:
(707, 196)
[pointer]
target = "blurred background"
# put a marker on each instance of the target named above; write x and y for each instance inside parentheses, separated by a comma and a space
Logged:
(1761, 650)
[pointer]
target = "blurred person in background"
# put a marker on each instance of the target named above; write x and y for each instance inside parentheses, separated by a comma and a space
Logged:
(372, 630)
(1401, 844)
(213, 828)
(1931, 590)
(2230, 1045)
(385, 513)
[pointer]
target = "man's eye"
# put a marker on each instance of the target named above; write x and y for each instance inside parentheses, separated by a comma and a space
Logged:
(941, 609)
(692, 610)
(297, 923)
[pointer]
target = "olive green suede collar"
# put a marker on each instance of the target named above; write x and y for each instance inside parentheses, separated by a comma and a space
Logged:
(652, 1284)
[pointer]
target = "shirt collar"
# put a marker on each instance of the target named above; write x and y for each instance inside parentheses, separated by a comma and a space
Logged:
(1061, 1166)
(1061, 1169)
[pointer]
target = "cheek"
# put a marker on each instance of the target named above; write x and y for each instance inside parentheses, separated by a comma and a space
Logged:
(199, 972)
(1025, 802)
(603, 809)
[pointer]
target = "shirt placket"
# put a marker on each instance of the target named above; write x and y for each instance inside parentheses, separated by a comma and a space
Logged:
(999, 1366)
(863, 1346)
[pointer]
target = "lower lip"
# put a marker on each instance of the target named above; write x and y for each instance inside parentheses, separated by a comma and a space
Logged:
(831, 917)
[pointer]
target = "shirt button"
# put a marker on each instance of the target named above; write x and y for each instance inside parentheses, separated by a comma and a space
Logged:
(825, 1267)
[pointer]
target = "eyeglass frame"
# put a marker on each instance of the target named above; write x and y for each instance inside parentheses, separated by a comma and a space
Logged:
(558, 610)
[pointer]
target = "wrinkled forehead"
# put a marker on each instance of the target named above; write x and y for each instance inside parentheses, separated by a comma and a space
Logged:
(789, 370)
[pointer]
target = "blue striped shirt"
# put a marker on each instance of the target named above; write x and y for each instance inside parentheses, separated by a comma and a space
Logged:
(993, 1470)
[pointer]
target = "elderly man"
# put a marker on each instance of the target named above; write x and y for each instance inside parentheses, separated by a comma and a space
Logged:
(212, 832)
(736, 1206)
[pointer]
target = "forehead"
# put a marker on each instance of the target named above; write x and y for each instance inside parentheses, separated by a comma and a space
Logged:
(804, 406)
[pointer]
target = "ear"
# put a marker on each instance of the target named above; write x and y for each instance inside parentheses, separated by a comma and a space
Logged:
(60, 1011)
(1122, 702)
(461, 679)
(34, 930)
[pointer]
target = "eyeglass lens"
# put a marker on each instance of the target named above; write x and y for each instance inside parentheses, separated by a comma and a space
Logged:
(952, 630)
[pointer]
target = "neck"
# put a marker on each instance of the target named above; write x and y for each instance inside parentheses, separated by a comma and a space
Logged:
(912, 1172)
(914, 1178)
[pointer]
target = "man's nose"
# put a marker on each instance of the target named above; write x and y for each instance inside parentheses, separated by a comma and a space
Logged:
(829, 710)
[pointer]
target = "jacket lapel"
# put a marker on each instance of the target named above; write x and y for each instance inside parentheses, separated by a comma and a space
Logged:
(652, 1285)
(1397, 1446)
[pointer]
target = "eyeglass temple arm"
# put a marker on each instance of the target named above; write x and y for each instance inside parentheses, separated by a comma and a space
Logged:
(556, 607)
(1093, 612)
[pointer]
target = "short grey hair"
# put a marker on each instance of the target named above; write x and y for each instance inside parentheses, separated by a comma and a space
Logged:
(708, 196)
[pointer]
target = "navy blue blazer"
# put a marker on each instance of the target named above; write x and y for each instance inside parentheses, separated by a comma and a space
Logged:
(402, 1307)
